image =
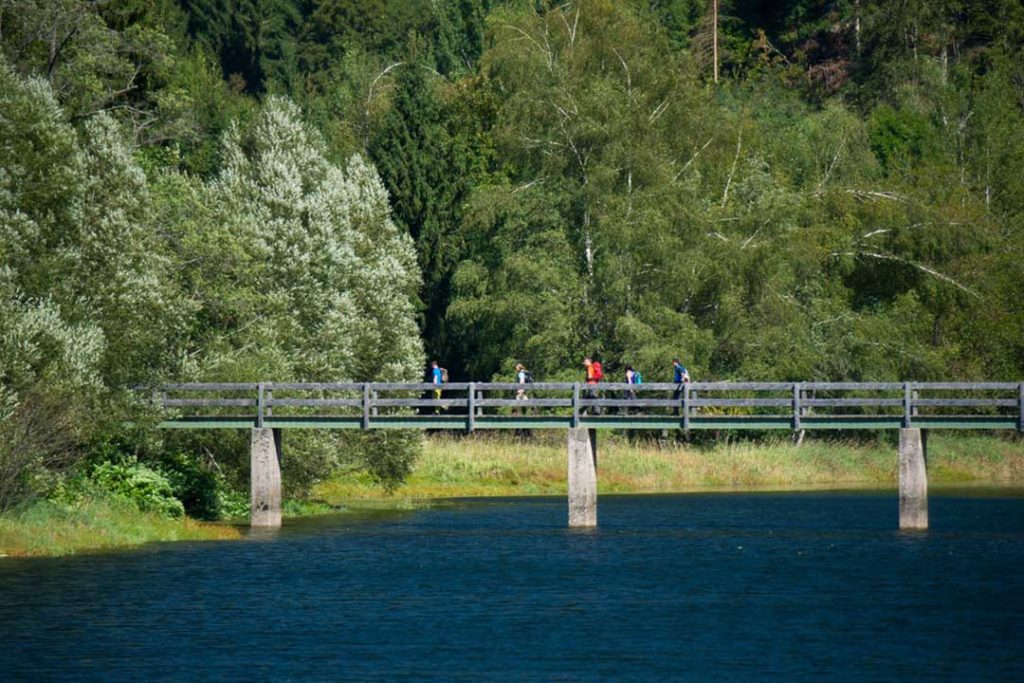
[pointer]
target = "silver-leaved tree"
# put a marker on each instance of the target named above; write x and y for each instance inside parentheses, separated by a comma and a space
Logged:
(305, 278)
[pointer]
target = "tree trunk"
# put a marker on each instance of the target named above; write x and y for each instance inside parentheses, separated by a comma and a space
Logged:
(714, 38)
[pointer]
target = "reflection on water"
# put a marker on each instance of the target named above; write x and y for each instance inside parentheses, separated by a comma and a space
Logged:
(817, 586)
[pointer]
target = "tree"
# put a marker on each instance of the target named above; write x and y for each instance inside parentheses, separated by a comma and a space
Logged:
(427, 167)
(335, 264)
(51, 350)
(330, 280)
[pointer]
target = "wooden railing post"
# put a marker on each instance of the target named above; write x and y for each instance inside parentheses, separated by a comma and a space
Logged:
(259, 405)
(366, 405)
(796, 406)
(914, 409)
(803, 411)
(374, 395)
(907, 401)
(686, 406)
(471, 407)
(575, 405)
(1020, 408)
(268, 393)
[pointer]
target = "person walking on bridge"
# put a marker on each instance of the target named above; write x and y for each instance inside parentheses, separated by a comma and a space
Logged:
(523, 377)
(594, 375)
(437, 377)
(632, 377)
(681, 378)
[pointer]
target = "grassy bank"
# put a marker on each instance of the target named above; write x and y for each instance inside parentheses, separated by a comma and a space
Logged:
(96, 524)
(498, 465)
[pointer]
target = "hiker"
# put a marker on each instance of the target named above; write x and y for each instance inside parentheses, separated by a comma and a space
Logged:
(523, 376)
(436, 378)
(594, 375)
(629, 394)
(680, 377)
(632, 377)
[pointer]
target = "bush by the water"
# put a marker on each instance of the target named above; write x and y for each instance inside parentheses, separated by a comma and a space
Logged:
(198, 488)
(148, 489)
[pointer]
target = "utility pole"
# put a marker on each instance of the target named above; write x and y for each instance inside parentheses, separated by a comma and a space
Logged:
(714, 38)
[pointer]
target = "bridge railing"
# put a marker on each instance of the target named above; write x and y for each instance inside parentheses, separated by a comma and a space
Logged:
(696, 405)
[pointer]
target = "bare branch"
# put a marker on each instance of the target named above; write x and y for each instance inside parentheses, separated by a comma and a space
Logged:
(735, 161)
(828, 171)
(625, 67)
(920, 266)
(865, 195)
(750, 239)
(546, 51)
(527, 186)
(570, 31)
(880, 231)
(693, 158)
(658, 111)
(373, 84)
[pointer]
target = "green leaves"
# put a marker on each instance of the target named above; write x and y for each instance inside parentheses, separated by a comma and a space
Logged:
(148, 489)
(335, 276)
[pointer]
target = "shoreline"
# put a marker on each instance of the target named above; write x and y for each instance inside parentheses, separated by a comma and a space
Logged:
(500, 466)
(99, 526)
(496, 465)
(985, 488)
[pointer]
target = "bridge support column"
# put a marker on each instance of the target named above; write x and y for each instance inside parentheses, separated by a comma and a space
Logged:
(913, 479)
(582, 477)
(265, 477)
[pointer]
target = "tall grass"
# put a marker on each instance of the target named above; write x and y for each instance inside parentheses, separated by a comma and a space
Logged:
(99, 523)
(498, 465)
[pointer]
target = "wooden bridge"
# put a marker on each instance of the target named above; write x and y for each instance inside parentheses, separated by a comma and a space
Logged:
(267, 408)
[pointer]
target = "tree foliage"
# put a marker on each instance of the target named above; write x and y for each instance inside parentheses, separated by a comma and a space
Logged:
(316, 190)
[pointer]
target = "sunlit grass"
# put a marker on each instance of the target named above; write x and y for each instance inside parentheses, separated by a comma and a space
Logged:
(500, 465)
(96, 524)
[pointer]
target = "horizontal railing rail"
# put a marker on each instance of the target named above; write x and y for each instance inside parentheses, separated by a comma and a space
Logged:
(656, 405)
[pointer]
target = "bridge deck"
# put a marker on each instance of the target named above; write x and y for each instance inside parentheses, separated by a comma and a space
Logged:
(695, 406)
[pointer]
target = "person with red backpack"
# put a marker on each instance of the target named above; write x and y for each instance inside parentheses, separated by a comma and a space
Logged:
(594, 375)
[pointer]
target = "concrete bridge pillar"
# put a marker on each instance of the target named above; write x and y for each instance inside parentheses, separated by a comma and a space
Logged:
(913, 479)
(265, 477)
(582, 477)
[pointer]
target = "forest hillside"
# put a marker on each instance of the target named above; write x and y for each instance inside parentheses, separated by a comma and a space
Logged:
(231, 190)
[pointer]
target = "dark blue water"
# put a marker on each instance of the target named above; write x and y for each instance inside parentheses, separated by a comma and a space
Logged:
(681, 587)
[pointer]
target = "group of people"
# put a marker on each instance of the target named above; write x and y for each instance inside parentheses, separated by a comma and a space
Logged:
(595, 373)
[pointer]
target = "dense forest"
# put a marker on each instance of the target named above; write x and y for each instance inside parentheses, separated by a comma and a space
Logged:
(341, 189)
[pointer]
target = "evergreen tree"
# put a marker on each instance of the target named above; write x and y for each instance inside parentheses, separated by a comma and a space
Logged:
(427, 172)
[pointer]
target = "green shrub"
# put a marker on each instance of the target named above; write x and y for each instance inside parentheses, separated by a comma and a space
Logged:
(148, 489)
(195, 486)
(232, 504)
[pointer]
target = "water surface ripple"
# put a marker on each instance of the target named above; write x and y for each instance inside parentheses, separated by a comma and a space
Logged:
(678, 587)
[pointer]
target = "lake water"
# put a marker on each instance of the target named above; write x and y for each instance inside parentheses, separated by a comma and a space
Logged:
(678, 587)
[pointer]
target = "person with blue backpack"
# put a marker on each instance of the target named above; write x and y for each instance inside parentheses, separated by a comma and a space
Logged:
(632, 377)
(681, 377)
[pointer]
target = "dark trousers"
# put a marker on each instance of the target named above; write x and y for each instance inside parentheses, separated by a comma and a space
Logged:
(677, 396)
(591, 392)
